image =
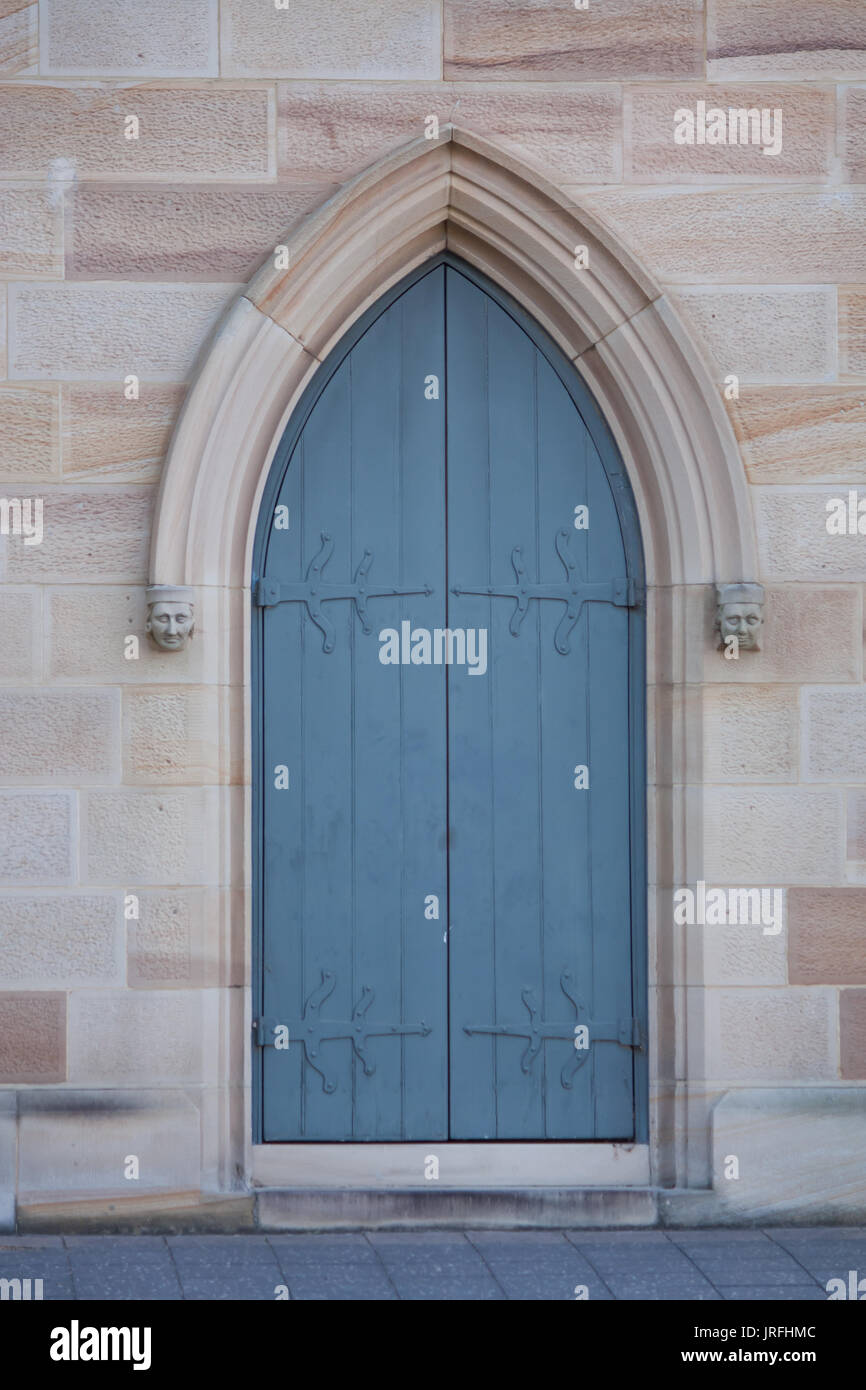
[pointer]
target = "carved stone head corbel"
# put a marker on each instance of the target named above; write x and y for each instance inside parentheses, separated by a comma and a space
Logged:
(170, 616)
(740, 614)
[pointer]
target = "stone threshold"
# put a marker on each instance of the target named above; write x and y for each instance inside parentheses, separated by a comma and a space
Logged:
(527, 1208)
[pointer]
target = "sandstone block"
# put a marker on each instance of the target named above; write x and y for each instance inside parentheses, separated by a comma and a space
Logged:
(799, 1152)
(743, 235)
(771, 1034)
(815, 38)
(32, 1037)
(751, 733)
(19, 612)
(109, 331)
(772, 836)
(173, 735)
(835, 735)
(827, 936)
(183, 132)
(810, 633)
(393, 39)
(852, 1033)
(29, 428)
(806, 130)
(105, 436)
(61, 941)
(765, 335)
(60, 735)
(122, 38)
(91, 535)
(852, 330)
(78, 1142)
(793, 539)
(19, 36)
(133, 1037)
(183, 233)
(89, 631)
(36, 838)
(186, 938)
(31, 233)
(138, 837)
(574, 133)
(622, 38)
(799, 434)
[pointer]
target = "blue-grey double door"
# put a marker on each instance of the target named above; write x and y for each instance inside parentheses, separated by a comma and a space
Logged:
(445, 666)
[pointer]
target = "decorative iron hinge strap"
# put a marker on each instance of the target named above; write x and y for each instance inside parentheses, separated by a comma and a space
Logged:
(312, 1030)
(625, 592)
(264, 1030)
(313, 591)
(628, 1032)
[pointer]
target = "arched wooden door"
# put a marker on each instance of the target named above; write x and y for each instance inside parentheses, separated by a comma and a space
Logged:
(449, 778)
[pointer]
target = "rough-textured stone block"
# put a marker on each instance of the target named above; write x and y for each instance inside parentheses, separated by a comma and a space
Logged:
(807, 130)
(793, 539)
(31, 234)
(800, 1153)
(147, 837)
(32, 1037)
(771, 1034)
(88, 633)
(183, 132)
(771, 836)
(314, 38)
(621, 38)
(772, 38)
(19, 25)
(809, 634)
(764, 335)
(108, 331)
(857, 825)
(61, 941)
(852, 330)
(182, 233)
(124, 38)
(36, 838)
(745, 235)
(79, 1141)
(60, 735)
(29, 429)
(126, 1037)
(797, 434)
(172, 736)
(19, 610)
(835, 735)
(852, 1033)
(573, 132)
(854, 132)
(105, 436)
(827, 936)
(751, 733)
(101, 534)
(740, 955)
(188, 939)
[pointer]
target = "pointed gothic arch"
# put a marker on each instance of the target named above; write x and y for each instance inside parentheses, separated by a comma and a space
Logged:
(464, 195)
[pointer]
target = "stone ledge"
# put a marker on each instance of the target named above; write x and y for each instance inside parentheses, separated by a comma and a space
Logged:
(346, 1209)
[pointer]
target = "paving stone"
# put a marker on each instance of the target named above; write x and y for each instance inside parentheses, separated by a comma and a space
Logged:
(774, 1293)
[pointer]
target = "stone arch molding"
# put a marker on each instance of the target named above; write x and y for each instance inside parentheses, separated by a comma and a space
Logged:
(463, 194)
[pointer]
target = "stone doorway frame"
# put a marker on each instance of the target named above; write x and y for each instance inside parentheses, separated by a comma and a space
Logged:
(463, 194)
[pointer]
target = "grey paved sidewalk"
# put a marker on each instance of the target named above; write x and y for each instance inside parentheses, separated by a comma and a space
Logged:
(787, 1264)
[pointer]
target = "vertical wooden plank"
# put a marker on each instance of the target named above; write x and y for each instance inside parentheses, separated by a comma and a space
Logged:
(358, 840)
(473, 908)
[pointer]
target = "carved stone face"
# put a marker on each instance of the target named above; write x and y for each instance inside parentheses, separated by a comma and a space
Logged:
(170, 624)
(741, 620)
